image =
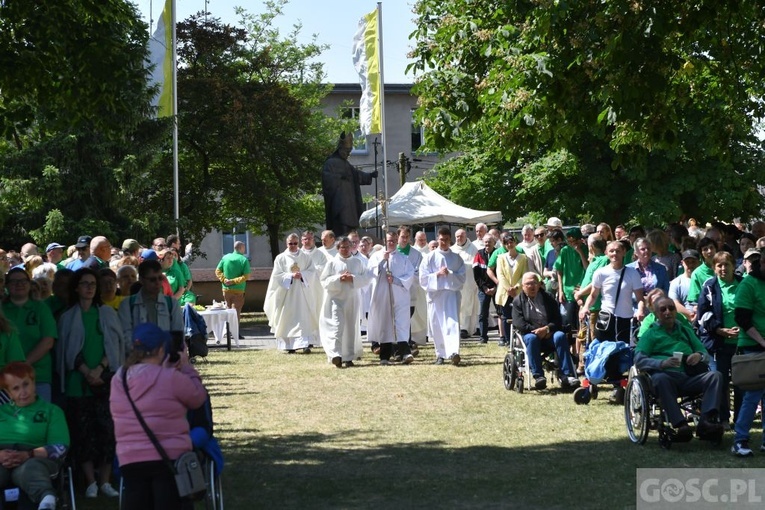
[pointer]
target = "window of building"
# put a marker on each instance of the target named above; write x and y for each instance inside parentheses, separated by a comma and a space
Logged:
(359, 141)
(418, 134)
(229, 238)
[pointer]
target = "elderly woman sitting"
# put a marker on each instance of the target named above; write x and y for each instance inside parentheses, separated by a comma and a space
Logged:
(33, 436)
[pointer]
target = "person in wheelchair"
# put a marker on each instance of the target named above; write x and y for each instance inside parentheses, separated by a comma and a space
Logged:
(34, 437)
(673, 376)
(536, 316)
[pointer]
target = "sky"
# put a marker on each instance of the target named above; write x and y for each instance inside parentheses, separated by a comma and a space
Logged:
(333, 21)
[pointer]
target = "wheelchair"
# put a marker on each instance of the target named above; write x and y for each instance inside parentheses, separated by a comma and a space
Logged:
(63, 482)
(213, 497)
(516, 372)
(643, 412)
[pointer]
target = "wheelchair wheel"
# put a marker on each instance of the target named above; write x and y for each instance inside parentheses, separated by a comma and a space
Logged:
(509, 371)
(214, 496)
(582, 396)
(636, 411)
(519, 385)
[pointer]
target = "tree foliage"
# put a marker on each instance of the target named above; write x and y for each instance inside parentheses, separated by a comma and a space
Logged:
(252, 125)
(70, 63)
(617, 110)
(78, 146)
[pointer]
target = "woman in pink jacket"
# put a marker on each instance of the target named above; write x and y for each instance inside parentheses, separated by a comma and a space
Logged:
(163, 392)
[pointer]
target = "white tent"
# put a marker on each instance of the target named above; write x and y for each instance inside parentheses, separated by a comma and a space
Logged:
(416, 203)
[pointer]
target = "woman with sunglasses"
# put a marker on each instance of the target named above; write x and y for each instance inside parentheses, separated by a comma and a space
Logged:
(90, 347)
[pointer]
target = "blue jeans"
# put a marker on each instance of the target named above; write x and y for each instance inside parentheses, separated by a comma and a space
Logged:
(484, 303)
(558, 343)
(722, 363)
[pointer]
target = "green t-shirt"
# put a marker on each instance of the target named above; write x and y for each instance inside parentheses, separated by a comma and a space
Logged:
(658, 343)
(729, 305)
(595, 264)
(234, 265)
(569, 264)
(698, 277)
(56, 305)
(547, 248)
(38, 424)
(629, 256)
(92, 354)
(10, 348)
(751, 296)
(33, 321)
(175, 277)
(493, 259)
(651, 319)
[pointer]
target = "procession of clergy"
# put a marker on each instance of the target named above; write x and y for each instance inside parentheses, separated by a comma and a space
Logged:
(399, 294)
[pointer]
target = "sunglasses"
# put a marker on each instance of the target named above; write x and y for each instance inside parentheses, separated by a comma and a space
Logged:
(292, 244)
(152, 279)
(670, 308)
(539, 235)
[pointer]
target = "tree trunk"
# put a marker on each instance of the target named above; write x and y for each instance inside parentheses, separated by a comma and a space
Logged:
(273, 240)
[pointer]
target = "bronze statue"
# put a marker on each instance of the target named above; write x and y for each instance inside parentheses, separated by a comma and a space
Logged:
(341, 187)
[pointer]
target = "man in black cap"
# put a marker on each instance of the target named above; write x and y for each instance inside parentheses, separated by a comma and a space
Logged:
(83, 253)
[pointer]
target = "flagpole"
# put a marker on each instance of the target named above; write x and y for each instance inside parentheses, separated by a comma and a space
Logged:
(176, 186)
(382, 101)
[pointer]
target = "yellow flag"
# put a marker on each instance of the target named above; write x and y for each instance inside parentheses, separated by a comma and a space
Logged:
(366, 60)
(161, 56)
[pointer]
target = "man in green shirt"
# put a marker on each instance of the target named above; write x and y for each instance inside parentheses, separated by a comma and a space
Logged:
(656, 353)
(55, 253)
(233, 271)
(570, 266)
(705, 271)
(36, 327)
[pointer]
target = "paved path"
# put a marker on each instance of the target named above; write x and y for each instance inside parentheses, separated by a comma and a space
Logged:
(260, 337)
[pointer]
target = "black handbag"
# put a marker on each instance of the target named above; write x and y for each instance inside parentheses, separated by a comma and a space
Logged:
(187, 470)
(604, 318)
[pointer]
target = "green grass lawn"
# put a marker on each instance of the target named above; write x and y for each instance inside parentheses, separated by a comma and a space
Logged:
(299, 433)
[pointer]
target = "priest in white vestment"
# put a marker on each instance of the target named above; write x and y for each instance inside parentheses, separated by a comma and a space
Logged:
(341, 279)
(442, 275)
(418, 303)
(469, 295)
(389, 316)
(292, 299)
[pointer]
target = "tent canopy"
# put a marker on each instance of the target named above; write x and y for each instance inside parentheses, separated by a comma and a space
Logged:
(416, 203)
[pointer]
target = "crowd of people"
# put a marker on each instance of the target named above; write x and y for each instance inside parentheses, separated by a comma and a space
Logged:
(86, 345)
(558, 286)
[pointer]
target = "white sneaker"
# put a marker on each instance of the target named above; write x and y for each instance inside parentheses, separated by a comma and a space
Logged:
(108, 491)
(48, 503)
(92, 490)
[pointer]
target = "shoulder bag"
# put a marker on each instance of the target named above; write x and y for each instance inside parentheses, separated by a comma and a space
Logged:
(604, 317)
(187, 470)
(748, 371)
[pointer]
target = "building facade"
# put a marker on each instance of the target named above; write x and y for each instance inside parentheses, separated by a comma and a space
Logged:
(403, 137)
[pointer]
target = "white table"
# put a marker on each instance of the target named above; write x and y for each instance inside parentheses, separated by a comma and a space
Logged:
(218, 319)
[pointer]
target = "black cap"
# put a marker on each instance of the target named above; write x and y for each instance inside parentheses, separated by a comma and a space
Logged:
(83, 242)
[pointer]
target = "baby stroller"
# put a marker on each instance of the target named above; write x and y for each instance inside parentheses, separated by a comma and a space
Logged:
(604, 363)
